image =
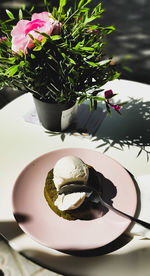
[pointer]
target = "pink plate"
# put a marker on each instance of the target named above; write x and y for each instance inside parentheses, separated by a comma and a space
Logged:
(38, 221)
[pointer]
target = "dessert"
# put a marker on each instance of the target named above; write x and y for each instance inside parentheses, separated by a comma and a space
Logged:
(67, 170)
(70, 168)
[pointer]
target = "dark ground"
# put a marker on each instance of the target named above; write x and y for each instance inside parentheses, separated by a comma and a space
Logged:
(132, 36)
(129, 44)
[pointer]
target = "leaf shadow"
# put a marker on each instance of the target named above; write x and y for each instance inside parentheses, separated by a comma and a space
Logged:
(132, 128)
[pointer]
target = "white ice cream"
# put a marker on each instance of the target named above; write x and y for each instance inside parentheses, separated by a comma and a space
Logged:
(70, 169)
(70, 201)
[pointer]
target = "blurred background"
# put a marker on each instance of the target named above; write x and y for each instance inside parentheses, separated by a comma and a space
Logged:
(129, 44)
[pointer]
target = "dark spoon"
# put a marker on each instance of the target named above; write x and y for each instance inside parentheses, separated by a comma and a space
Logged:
(94, 196)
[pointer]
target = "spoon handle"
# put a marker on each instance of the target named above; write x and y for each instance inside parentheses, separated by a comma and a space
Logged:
(141, 222)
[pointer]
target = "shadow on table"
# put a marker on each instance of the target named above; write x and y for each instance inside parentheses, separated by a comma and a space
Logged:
(10, 230)
(132, 128)
(86, 122)
(122, 264)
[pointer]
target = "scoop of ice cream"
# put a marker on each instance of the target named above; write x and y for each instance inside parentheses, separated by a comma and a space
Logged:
(70, 169)
(70, 201)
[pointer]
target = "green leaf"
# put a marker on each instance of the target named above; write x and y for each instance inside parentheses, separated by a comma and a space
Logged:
(91, 103)
(44, 39)
(77, 46)
(37, 48)
(98, 10)
(20, 53)
(81, 99)
(7, 60)
(33, 56)
(55, 37)
(54, 12)
(20, 14)
(12, 70)
(71, 80)
(32, 8)
(10, 14)
(103, 62)
(22, 63)
(89, 19)
(116, 75)
(72, 61)
(80, 4)
(93, 64)
(62, 4)
(96, 98)
(88, 1)
(88, 49)
(109, 29)
(63, 54)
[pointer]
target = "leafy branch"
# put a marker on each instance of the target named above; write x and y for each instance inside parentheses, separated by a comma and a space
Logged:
(61, 67)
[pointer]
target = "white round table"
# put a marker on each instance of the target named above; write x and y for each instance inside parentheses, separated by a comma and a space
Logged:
(124, 138)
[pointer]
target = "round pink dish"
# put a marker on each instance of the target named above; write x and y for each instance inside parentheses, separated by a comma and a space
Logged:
(37, 220)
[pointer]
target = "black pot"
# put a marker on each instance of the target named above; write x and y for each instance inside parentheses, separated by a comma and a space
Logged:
(55, 116)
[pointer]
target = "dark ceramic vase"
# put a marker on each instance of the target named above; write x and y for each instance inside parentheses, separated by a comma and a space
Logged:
(55, 116)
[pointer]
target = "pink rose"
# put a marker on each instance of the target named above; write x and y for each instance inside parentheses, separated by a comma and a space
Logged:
(42, 22)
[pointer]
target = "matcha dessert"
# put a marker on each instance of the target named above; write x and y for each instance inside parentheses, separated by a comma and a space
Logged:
(67, 170)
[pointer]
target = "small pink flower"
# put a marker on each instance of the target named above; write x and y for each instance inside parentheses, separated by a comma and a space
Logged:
(42, 22)
(76, 20)
(95, 31)
(108, 94)
(117, 107)
(89, 31)
(3, 38)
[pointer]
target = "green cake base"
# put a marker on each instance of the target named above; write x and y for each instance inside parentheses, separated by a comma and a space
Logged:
(85, 211)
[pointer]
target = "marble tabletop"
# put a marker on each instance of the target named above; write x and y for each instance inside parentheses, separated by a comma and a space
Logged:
(125, 138)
